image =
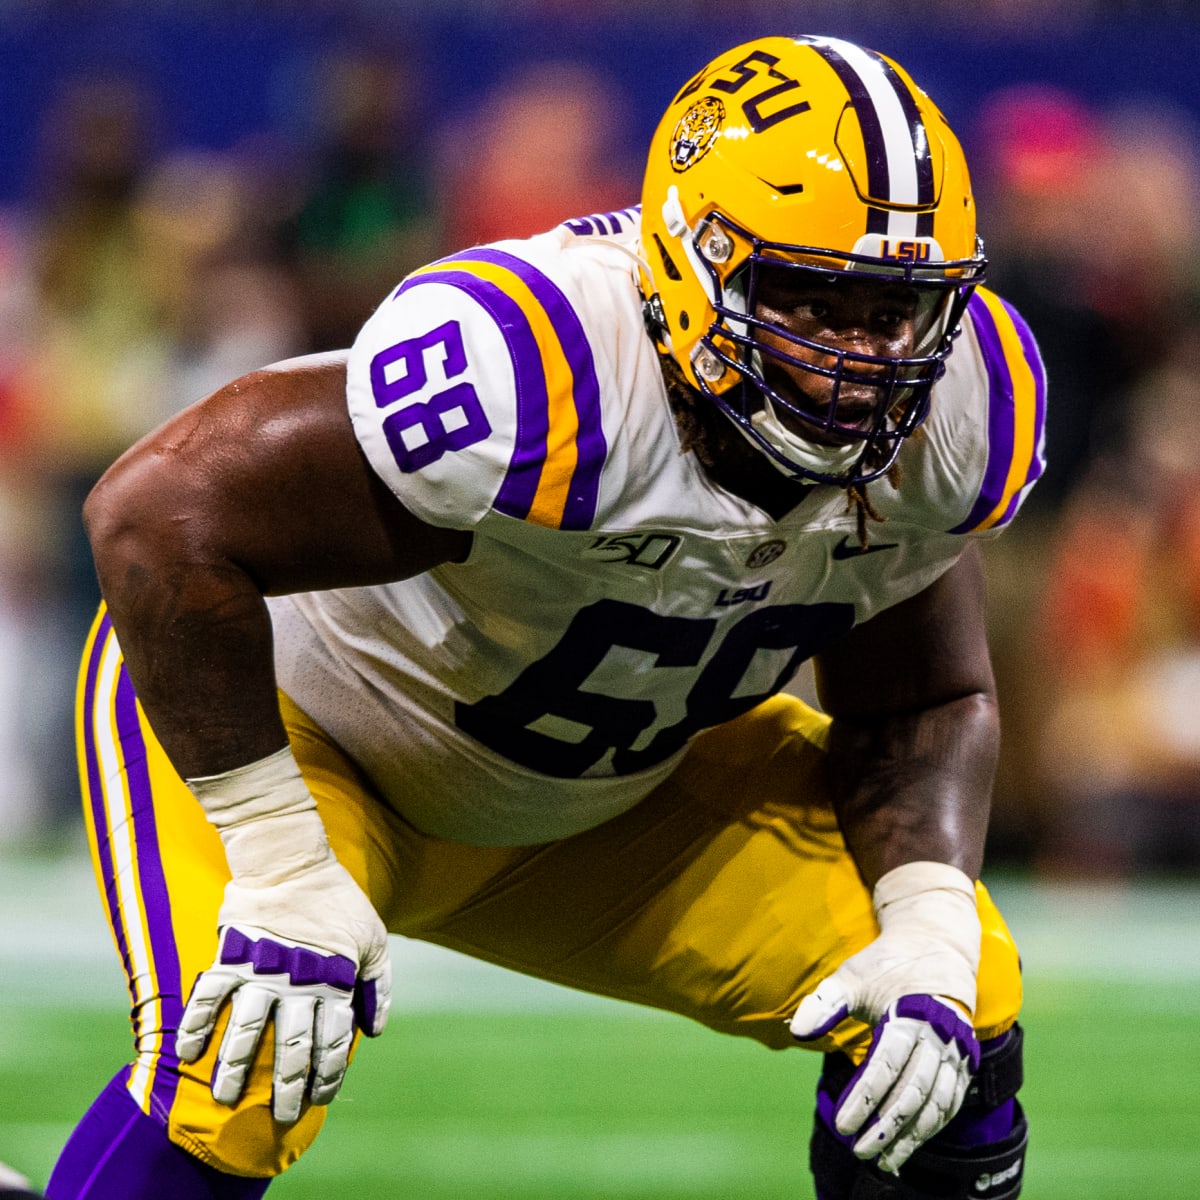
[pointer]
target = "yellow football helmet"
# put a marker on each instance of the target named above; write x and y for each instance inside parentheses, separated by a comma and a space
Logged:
(815, 155)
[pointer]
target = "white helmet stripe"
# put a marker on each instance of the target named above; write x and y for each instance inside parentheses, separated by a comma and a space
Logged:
(873, 88)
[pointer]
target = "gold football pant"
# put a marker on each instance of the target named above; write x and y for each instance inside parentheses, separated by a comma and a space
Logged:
(724, 896)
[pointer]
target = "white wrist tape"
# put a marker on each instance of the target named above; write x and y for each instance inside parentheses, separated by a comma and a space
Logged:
(935, 902)
(267, 819)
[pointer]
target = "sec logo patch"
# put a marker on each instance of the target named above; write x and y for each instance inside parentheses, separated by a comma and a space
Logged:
(765, 554)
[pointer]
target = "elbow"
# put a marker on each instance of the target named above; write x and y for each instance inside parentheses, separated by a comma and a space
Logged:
(109, 518)
(983, 708)
(128, 518)
(100, 510)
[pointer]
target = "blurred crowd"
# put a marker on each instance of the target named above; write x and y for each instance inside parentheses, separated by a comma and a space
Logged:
(143, 274)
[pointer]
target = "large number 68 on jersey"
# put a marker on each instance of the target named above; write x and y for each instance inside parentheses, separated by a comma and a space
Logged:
(726, 686)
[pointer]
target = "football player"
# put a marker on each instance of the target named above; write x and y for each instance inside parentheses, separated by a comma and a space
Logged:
(478, 633)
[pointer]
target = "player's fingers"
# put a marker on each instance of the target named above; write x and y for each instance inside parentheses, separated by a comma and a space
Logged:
(373, 1000)
(209, 993)
(885, 1061)
(248, 1014)
(293, 1055)
(826, 1006)
(928, 1120)
(899, 1153)
(331, 1049)
(944, 1100)
(903, 1104)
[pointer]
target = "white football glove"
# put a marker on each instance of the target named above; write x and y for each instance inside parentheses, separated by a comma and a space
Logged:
(916, 985)
(300, 943)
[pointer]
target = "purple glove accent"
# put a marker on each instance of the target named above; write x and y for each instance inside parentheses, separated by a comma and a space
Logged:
(302, 966)
(862, 1066)
(943, 1021)
(827, 1112)
(365, 1004)
(838, 1017)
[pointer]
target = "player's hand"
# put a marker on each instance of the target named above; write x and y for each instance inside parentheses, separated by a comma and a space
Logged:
(914, 1078)
(915, 985)
(309, 954)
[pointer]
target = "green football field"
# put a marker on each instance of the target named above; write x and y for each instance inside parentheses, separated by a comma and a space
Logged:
(488, 1085)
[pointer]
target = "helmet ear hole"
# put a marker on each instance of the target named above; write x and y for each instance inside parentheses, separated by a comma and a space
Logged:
(684, 320)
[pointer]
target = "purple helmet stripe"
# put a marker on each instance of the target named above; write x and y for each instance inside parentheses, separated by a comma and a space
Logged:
(520, 484)
(1002, 416)
(156, 901)
(878, 184)
(882, 187)
(590, 443)
(916, 131)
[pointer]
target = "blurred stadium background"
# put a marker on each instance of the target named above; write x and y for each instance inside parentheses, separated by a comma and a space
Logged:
(189, 189)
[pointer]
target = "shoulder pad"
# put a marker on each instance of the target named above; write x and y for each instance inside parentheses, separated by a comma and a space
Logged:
(1016, 412)
(479, 392)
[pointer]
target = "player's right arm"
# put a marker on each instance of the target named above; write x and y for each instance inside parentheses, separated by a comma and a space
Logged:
(259, 489)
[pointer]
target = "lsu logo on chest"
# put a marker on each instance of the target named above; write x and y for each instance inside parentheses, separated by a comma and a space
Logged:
(728, 597)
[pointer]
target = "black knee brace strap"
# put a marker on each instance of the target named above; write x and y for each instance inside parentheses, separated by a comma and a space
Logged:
(937, 1171)
(1001, 1072)
(934, 1172)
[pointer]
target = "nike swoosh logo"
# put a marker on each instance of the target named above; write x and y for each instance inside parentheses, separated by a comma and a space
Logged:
(848, 549)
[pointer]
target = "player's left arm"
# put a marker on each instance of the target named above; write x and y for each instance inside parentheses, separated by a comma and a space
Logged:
(912, 752)
(916, 730)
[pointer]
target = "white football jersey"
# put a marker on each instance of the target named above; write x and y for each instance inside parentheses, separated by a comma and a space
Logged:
(616, 601)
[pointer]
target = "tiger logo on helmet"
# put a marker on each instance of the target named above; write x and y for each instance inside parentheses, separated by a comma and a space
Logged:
(696, 132)
(815, 156)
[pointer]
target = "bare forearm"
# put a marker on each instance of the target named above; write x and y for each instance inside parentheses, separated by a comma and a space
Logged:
(197, 644)
(918, 786)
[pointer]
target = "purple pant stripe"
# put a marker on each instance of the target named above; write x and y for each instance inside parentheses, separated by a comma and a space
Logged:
(156, 902)
(94, 798)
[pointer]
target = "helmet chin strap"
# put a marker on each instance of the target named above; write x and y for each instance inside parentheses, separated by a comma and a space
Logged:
(825, 460)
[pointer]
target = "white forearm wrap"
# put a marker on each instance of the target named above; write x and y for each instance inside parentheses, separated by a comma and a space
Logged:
(267, 819)
(929, 909)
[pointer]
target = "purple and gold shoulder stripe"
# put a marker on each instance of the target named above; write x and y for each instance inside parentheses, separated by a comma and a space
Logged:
(559, 448)
(1016, 413)
(608, 223)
